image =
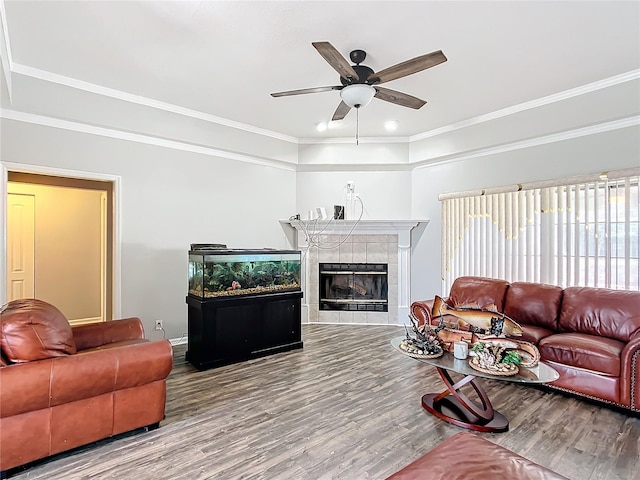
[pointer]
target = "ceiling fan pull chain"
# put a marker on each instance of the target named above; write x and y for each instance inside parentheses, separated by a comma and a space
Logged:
(357, 126)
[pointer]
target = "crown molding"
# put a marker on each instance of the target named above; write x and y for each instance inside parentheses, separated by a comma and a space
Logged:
(140, 100)
(539, 102)
(390, 167)
(344, 140)
(147, 102)
(354, 167)
(533, 142)
(141, 138)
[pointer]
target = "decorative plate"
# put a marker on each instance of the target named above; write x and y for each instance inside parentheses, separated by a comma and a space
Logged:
(412, 351)
(502, 370)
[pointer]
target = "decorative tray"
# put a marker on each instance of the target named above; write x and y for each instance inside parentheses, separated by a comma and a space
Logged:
(500, 369)
(412, 351)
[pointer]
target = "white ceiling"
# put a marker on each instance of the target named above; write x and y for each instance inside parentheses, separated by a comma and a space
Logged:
(225, 58)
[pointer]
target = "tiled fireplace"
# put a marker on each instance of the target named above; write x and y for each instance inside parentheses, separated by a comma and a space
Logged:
(339, 245)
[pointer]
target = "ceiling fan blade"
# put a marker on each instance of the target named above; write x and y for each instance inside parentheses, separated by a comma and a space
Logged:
(307, 90)
(398, 98)
(407, 68)
(341, 111)
(335, 59)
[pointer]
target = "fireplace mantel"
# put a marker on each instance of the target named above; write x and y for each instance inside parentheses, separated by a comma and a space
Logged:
(333, 232)
(366, 227)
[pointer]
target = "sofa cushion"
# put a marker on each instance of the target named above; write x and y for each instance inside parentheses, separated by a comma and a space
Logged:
(31, 329)
(600, 311)
(483, 292)
(589, 352)
(534, 304)
(533, 333)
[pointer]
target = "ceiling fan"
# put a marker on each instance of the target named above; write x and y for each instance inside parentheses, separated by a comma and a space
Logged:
(360, 83)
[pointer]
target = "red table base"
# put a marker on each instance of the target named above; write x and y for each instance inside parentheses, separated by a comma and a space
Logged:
(453, 406)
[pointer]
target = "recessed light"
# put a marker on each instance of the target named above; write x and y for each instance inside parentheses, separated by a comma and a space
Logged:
(322, 126)
(391, 125)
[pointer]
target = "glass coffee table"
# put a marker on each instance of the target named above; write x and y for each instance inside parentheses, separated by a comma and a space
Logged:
(454, 406)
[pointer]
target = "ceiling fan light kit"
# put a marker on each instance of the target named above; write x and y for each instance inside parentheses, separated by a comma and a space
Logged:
(357, 95)
(359, 83)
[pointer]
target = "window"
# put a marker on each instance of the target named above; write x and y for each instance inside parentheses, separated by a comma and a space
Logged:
(579, 233)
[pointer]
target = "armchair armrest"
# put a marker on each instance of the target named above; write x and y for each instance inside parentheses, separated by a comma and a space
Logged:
(45, 383)
(421, 310)
(98, 334)
(630, 373)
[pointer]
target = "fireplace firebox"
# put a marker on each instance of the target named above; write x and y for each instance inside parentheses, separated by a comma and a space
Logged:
(354, 286)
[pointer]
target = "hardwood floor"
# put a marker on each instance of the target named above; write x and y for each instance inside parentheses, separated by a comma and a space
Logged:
(347, 406)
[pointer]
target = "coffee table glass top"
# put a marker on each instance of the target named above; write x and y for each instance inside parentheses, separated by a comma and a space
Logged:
(541, 373)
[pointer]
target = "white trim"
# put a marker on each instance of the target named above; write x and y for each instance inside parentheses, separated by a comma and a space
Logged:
(137, 99)
(350, 167)
(140, 100)
(104, 239)
(324, 167)
(402, 228)
(539, 102)
(533, 142)
(140, 138)
(5, 167)
(5, 49)
(4, 175)
(332, 140)
(179, 341)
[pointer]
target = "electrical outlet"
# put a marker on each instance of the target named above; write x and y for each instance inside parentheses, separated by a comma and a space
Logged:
(159, 325)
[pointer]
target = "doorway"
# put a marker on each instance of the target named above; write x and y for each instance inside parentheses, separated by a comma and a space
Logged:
(60, 243)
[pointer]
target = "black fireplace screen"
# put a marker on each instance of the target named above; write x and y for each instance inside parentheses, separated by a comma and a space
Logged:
(353, 286)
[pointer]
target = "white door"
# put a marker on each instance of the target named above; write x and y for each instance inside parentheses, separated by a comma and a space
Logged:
(20, 246)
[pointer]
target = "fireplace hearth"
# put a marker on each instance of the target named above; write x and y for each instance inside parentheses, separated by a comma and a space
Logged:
(354, 287)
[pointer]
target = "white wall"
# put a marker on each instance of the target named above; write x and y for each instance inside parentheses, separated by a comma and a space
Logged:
(580, 156)
(169, 199)
(385, 194)
(380, 171)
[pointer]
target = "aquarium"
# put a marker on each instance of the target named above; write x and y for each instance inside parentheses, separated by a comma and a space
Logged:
(228, 272)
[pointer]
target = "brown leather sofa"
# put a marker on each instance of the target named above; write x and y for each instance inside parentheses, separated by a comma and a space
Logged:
(591, 336)
(465, 455)
(63, 387)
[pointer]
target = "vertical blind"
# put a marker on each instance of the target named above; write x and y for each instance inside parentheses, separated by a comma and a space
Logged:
(581, 231)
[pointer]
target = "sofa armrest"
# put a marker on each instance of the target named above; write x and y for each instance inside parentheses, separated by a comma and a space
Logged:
(630, 373)
(54, 381)
(98, 334)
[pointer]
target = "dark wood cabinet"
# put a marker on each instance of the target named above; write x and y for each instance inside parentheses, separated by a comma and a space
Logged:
(232, 329)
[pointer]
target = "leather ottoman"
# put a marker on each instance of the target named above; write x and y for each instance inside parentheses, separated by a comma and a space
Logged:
(464, 456)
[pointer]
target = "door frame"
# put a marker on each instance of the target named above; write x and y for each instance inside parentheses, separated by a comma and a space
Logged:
(115, 180)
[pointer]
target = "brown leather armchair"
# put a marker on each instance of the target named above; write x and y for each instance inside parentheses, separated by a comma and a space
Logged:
(63, 387)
